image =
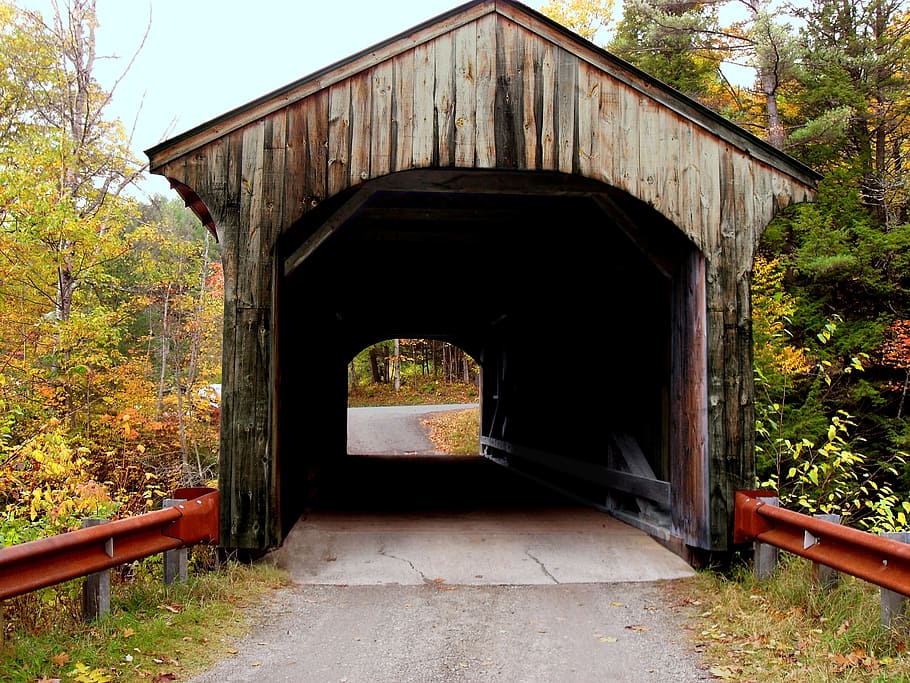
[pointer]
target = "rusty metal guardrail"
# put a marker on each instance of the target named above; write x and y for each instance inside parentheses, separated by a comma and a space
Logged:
(882, 561)
(37, 564)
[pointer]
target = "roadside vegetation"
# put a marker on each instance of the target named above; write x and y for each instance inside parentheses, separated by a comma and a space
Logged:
(787, 628)
(153, 632)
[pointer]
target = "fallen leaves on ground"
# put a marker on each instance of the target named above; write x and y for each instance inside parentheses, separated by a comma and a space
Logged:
(174, 609)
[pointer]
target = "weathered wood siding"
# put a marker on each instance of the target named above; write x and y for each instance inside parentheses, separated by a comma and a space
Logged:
(491, 87)
(525, 104)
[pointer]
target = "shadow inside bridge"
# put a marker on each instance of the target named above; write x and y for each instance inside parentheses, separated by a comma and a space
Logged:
(450, 520)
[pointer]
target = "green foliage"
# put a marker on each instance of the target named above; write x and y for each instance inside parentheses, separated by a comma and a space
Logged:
(819, 472)
(671, 42)
(835, 478)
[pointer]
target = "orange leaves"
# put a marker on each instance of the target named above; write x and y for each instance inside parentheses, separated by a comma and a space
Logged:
(895, 350)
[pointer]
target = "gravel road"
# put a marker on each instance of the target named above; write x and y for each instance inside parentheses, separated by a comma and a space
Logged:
(574, 633)
(366, 606)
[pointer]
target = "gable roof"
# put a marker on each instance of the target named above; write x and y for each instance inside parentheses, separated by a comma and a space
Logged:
(519, 13)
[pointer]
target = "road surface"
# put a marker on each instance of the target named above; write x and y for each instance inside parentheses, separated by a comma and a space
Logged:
(429, 568)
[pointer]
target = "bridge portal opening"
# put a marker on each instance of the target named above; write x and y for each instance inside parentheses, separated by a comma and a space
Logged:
(575, 299)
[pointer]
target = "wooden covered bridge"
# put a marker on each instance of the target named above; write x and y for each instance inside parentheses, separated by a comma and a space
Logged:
(598, 227)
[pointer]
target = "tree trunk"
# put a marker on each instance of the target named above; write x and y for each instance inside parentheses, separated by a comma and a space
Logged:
(165, 346)
(396, 365)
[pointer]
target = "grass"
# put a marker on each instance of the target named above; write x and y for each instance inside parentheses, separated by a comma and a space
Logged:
(424, 392)
(152, 633)
(787, 628)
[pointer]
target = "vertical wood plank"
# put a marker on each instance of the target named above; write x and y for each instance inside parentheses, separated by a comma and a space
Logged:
(608, 129)
(589, 97)
(445, 101)
(465, 46)
(566, 113)
(627, 160)
(668, 178)
(485, 91)
(380, 128)
(509, 97)
(424, 105)
(709, 193)
(531, 103)
(403, 123)
(723, 429)
(361, 133)
(295, 181)
(549, 144)
(741, 468)
(274, 168)
(689, 200)
(688, 425)
(317, 149)
(339, 137)
(250, 217)
(650, 152)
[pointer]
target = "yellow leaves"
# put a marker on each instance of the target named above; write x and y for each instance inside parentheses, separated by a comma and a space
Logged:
(726, 673)
(772, 308)
(84, 674)
(585, 17)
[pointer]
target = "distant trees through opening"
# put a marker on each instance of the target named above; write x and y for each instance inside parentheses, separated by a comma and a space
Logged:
(416, 372)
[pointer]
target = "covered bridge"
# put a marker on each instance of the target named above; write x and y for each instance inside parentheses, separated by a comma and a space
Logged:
(598, 227)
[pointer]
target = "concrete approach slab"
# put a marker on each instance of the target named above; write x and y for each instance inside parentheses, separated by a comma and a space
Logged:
(522, 546)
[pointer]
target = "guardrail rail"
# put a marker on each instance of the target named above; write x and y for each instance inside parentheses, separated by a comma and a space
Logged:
(882, 561)
(48, 561)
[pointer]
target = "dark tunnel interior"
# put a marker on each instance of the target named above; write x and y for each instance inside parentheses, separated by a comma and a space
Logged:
(562, 293)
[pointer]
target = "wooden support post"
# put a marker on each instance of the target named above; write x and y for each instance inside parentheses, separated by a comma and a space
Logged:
(827, 577)
(765, 556)
(174, 560)
(894, 604)
(96, 589)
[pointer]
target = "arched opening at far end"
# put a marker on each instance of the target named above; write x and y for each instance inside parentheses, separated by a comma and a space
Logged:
(413, 397)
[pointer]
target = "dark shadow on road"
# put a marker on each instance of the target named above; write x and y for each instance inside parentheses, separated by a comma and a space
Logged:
(428, 483)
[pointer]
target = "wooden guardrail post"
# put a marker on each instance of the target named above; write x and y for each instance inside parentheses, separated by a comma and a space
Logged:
(174, 560)
(894, 604)
(96, 589)
(827, 577)
(765, 555)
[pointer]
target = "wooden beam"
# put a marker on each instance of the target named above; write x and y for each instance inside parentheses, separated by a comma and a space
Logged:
(335, 221)
(652, 489)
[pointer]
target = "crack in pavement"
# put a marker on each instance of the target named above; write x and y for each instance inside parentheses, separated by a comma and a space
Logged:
(542, 567)
(407, 561)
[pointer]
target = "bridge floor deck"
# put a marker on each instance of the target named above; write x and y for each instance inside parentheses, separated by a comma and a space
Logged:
(461, 521)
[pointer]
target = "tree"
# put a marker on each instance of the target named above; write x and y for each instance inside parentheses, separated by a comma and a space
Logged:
(672, 41)
(64, 168)
(855, 69)
(585, 17)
